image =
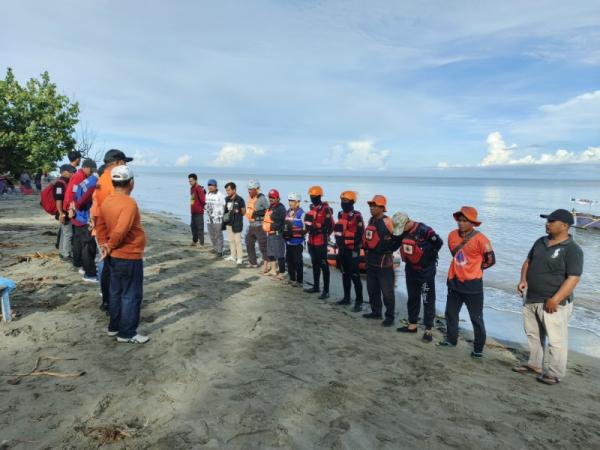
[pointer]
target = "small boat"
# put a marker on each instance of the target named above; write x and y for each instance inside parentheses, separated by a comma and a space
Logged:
(362, 265)
(586, 221)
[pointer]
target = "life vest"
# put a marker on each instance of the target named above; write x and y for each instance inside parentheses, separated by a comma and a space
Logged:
(293, 230)
(346, 228)
(47, 199)
(251, 207)
(315, 221)
(372, 239)
(266, 226)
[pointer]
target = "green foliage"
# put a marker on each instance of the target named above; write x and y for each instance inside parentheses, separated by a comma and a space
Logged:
(37, 124)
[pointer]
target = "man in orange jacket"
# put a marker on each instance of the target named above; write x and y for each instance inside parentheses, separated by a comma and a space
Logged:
(122, 241)
(472, 253)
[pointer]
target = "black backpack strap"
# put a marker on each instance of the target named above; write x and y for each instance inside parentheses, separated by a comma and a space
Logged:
(460, 246)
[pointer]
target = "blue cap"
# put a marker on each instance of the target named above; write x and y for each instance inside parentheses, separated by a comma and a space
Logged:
(212, 182)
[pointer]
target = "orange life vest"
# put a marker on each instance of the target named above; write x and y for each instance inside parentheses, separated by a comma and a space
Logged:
(346, 228)
(267, 222)
(250, 208)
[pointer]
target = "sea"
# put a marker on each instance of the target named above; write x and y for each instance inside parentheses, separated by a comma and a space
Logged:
(509, 209)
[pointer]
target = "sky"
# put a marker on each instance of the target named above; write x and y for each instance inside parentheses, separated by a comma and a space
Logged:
(349, 86)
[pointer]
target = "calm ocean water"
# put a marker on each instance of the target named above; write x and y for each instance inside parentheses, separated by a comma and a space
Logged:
(508, 208)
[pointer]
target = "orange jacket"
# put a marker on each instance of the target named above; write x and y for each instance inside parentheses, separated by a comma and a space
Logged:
(120, 227)
(104, 188)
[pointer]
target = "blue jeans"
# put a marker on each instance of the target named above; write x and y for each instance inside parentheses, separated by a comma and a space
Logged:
(126, 292)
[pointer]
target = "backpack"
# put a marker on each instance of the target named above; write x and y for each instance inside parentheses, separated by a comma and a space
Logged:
(47, 197)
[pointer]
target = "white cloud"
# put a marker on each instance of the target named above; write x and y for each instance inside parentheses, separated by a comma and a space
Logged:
(500, 154)
(231, 155)
(183, 160)
(357, 155)
(143, 158)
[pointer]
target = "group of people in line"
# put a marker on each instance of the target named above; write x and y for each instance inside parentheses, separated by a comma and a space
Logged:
(549, 275)
(101, 234)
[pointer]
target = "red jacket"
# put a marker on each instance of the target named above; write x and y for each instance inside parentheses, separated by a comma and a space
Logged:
(197, 199)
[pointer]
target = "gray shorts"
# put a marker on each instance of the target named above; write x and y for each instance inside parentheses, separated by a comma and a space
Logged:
(275, 246)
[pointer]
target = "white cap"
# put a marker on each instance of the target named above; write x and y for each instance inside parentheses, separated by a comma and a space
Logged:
(399, 220)
(121, 173)
(253, 184)
(294, 196)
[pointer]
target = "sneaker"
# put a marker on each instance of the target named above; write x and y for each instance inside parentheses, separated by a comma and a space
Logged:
(312, 290)
(81, 272)
(446, 343)
(230, 258)
(343, 302)
(372, 316)
(476, 354)
(112, 333)
(239, 262)
(324, 296)
(137, 339)
(90, 279)
(388, 322)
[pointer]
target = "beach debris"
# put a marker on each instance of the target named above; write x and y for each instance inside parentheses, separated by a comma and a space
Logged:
(258, 319)
(45, 372)
(36, 255)
(106, 434)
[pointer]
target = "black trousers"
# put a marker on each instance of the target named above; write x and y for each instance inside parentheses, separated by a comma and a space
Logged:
(380, 283)
(295, 262)
(84, 250)
(474, 304)
(351, 275)
(197, 226)
(421, 288)
(318, 258)
(105, 281)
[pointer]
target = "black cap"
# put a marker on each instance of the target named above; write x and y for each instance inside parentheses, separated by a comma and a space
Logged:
(116, 155)
(89, 163)
(562, 215)
(67, 168)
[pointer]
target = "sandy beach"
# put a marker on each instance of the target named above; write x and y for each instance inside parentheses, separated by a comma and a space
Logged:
(239, 361)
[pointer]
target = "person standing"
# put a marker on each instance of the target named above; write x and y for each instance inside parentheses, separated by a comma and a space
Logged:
(257, 206)
(38, 180)
(104, 187)
(293, 233)
(472, 253)
(79, 229)
(319, 224)
(83, 255)
(419, 250)
(198, 203)
(122, 241)
(78, 177)
(380, 243)
(233, 220)
(215, 206)
(273, 225)
(74, 158)
(62, 215)
(348, 232)
(549, 276)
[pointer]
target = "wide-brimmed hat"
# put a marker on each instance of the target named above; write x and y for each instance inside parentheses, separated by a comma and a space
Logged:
(378, 200)
(470, 213)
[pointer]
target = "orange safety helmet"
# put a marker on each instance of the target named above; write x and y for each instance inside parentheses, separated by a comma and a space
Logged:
(349, 195)
(378, 200)
(315, 191)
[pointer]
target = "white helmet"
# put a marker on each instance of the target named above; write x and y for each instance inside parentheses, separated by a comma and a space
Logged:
(253, 184)
(294, 196)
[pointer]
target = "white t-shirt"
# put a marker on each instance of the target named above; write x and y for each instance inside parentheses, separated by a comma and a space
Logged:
(215, 207)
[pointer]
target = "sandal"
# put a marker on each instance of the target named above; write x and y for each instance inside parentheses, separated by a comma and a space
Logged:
(548, 379)
(406, 329)
(524, 369)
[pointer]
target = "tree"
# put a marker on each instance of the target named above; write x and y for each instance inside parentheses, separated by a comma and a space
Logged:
(37, 124)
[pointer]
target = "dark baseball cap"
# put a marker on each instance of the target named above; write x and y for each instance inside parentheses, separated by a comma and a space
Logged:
(561, 215)
(89, 163)
(67, 168)
(116, 155)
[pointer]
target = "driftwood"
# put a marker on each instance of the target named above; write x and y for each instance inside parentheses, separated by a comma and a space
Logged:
(45, 372)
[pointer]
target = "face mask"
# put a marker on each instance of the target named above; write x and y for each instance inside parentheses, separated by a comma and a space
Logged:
(315, 199)
(347, 206)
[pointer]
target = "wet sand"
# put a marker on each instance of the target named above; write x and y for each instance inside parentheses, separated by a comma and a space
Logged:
(237, 360)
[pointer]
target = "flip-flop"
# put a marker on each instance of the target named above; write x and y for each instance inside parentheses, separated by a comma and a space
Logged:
(524, 368)
(547, 379)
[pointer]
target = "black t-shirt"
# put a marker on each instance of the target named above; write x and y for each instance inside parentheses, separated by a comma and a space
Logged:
(233, 209)
(60, 188)
(549, 267)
